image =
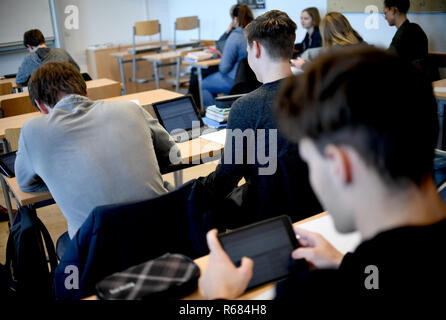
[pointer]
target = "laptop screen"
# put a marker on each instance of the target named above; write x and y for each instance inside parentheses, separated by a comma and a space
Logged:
(176, 114)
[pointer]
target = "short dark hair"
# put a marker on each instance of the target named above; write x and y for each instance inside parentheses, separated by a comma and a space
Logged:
(33, 38)
(402, 5)
(243, 14)
(373, 101)
(53, 78)
(275, 31)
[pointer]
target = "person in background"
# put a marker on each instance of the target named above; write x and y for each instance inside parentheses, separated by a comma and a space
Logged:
(39, 54)
(359, 170)
(234, 51)
(336, 31)
(310, 20)
(410, 42)
(219, 44)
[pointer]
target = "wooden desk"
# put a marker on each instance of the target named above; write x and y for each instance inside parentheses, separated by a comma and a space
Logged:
(103, 88)
(168, 58)
(15, 86)
(195, 150)
(101, 64)
(321, 223)
(19, 103)
(127, 57)
(202, 65)
(146, 98)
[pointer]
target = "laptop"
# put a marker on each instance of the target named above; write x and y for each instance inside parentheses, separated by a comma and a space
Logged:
(180, 117)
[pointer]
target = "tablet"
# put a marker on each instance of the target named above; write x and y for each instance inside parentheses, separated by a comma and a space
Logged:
(7, 162)
(269, 244)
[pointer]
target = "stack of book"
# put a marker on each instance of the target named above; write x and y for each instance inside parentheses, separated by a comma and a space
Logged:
(216, 117)
(218, 114)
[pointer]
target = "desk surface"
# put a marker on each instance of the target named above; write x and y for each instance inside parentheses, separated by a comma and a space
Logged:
(321, 223)
(441, 95)
(145, 98)
(168, 55)
(192, 150)
(91, 84)
(204, 64)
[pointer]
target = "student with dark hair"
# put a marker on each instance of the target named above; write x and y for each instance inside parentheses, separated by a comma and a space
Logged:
(410, 42)
(68, 150)
(310, 20)
(283, 180)
(234, 51)
(371, 170)
(39, 54)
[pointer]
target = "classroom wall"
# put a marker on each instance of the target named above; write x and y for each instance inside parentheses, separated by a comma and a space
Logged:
(102, 21)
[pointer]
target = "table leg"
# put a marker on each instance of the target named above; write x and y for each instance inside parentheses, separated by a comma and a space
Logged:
(441, 105)
(178, 178)
(157, 79)
(5, 146)
(177, 85)
(7, 200)
(121, 69)
(200, 79)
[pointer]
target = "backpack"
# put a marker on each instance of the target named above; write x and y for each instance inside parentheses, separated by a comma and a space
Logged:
(29, 251)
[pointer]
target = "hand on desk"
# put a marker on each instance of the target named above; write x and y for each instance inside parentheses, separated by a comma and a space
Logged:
(222, 279)
(316, 250)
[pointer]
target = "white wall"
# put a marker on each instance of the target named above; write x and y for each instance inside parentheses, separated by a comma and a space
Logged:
(214, 18)
(103, 21)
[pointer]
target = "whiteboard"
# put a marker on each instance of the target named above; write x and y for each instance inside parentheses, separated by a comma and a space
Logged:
(360, 5)
(18, 16)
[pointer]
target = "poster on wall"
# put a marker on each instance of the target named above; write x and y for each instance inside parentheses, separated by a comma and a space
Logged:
(253, 4)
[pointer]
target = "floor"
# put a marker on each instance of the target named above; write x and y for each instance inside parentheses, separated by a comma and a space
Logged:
(55, 222)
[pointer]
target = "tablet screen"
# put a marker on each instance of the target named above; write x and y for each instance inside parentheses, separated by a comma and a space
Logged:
(268, 243)
(7, 162)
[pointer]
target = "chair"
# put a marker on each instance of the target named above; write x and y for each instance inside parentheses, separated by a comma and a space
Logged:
(16, 104)
(116, 237)
(245, 79)
(185, 24)
(141, 29)
(12, 137)
(5, 88)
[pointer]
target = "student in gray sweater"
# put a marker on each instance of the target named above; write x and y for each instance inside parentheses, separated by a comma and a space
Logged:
(39, 54)
(88, 153)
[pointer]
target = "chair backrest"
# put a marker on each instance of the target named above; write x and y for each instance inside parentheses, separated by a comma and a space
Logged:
(245, 79)
(116, 237)
(12, 137)
(146, 28)
(184, 24)
(16, 104)
(5, 88)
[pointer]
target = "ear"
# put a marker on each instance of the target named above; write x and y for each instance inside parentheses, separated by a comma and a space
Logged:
(42, 107)
(340, 163)
(257, 49)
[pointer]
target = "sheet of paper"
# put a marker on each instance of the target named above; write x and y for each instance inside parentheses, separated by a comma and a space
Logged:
(217, 137)
(440, 89)
(325, 226)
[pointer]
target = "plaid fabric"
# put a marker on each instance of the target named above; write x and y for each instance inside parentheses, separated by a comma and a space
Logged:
(168, 276)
